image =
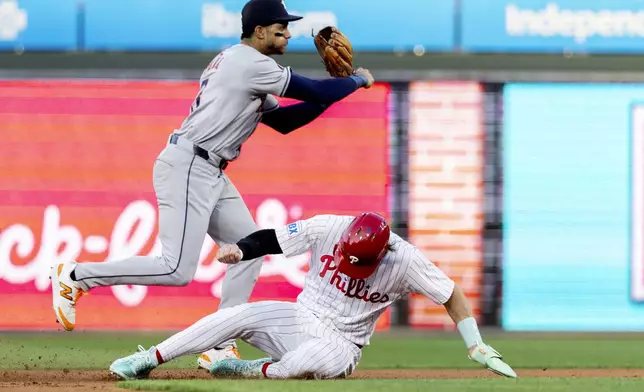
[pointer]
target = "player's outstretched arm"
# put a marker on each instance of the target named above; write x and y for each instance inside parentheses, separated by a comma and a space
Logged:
(289, 118)
(265, 76)
(459, 310)
(318, 96)
(325, 91)
(260, 243)
(425, 278)
(293, 239)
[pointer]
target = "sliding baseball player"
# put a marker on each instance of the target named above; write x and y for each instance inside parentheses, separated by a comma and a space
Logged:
(357, 269)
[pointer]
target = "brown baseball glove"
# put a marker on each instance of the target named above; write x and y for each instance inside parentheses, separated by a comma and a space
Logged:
(335, 50)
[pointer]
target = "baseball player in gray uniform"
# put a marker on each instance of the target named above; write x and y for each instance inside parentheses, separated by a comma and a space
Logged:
(195, 197)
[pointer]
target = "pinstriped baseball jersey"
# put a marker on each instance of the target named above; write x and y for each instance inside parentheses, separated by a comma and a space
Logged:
(352, 306)
(237, 87)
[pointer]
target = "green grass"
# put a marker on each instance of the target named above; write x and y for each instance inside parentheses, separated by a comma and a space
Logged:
(98, 350)
(84, 350)
(464, 385)
(79, 350)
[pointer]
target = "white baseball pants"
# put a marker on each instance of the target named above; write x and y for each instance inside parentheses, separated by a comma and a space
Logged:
(303, 346)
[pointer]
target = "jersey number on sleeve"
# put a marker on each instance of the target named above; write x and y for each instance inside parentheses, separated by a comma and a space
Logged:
(197, 100)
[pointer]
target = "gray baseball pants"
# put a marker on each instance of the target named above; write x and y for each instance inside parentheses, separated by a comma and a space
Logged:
(194, 198)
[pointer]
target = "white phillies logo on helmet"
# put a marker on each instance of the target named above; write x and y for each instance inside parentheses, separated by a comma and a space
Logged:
(353, 259)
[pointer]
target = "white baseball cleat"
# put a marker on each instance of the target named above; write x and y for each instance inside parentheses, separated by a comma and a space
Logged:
(65, 294)
(213, 355)
(491, 359)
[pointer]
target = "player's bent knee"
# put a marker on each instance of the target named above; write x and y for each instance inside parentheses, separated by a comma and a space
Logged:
(182, 280)
(181, 272)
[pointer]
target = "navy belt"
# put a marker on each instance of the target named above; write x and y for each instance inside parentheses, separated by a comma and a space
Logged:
(200, 152)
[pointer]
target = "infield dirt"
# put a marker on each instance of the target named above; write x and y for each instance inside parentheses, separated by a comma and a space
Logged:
(100, 380)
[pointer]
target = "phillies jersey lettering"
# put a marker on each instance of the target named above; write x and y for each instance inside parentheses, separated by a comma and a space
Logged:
(355, 288)
(236, 89)
(352, 306)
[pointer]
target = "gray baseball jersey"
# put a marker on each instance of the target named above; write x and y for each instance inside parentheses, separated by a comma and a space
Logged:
(236, 88)
(194, 196)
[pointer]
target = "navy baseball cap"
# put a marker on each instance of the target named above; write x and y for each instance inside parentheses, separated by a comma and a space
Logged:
(265, 13)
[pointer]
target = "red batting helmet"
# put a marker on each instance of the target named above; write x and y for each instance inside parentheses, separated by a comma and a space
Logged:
(362, 246)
